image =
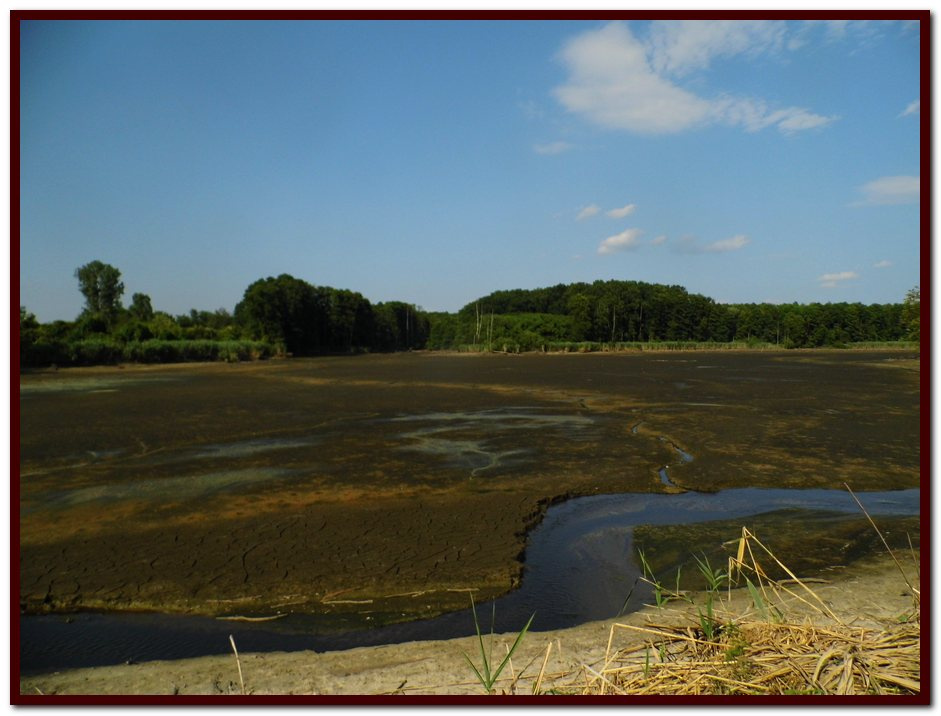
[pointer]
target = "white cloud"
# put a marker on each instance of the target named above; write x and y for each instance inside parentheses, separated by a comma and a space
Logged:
(612, 84)
(691, 245)
(659, 240)
(796, 119)
(860, 32)
(627, 239)
(678, 47)
(619, 82)
(731, 244)
(754, 115)
(912, 108)
(587, 212)
(890, 190)
(831, 280)
(622, 212)
(882, 264)
(552, 148)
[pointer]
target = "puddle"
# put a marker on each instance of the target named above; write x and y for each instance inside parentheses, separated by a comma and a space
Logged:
(86, 385)
(489, 439)
(250, 447)
(684, 457)
(579, 566)
(166, 489)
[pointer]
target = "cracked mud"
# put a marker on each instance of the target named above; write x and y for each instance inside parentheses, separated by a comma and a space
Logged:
(391, 485)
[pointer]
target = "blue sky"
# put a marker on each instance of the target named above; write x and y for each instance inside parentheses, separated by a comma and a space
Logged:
(434, 161)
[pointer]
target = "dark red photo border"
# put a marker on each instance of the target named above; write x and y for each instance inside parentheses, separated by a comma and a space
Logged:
(924, 19)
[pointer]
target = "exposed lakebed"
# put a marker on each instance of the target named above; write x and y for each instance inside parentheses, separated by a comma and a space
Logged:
(345, 492)
(580, 565)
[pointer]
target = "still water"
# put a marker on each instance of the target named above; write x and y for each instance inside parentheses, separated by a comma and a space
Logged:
(580, 566)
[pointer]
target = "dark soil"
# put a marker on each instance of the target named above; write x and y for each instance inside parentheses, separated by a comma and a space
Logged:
(401, 481)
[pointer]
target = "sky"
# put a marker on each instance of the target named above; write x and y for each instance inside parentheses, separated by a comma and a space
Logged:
(436, 161)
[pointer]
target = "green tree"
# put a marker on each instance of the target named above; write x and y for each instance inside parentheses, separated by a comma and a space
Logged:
(140, 307)
(101, 285)
(29, 333)
(579, 308)
(286, 311)
(911, 314)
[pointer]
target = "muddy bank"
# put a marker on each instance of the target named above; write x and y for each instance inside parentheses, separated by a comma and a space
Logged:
(391, 485)
(869, 594)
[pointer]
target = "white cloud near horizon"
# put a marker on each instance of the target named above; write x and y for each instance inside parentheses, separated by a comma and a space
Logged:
(890, 190)
(588, 212)
(733, 243)
(691, 245)
(552, 148)
(832, 280)
(912, 108)
(621, 212)
(882, 264)
(619, 82)
(627, 239)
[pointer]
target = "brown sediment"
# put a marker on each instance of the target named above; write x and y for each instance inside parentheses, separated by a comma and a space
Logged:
(196, 488)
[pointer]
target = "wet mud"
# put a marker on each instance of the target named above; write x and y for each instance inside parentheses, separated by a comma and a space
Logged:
(392, 485)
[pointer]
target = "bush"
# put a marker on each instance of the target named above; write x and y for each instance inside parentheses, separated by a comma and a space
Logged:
(44, 353)
(94, 351)
(180, 351)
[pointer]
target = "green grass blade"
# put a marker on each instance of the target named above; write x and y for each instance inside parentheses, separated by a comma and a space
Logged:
(509, 654)
(493, 624)
(480, 678)
(757, 599)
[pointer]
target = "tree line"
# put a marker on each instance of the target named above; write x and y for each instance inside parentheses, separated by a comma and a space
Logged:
(285, 315)
(276, 316)
(612, 313)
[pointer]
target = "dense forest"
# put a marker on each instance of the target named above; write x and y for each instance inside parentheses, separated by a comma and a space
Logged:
(289, 316)
(614, 313)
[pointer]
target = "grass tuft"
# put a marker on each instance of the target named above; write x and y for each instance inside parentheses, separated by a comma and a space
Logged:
(487, 674)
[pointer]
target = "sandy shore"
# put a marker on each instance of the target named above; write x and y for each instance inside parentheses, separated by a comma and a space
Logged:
(869, 595)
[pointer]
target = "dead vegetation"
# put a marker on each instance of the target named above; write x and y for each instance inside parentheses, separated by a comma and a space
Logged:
(749, 634)
(784, 639)
(770, 637)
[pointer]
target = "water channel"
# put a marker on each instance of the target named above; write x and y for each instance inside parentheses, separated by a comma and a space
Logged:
(580, 566)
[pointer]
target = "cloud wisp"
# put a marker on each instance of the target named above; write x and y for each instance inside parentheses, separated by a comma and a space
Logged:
(620, 82)
(733, 243)
(552, 148)
(627, 239)
(587, 212)
(690, 245)
(890, 190)
(913, 108)
(832, 280)
(882, 264)
(621, 212)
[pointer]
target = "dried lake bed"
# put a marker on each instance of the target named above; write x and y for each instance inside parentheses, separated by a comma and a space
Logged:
(381, 488)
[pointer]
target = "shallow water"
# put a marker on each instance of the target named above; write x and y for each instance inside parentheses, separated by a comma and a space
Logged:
(165, 489)
(579, 567)
(484, 440)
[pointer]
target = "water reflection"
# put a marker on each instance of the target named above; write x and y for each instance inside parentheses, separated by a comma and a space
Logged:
(579, 567)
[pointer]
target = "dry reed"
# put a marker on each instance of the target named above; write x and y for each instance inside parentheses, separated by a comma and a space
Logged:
(757, 649)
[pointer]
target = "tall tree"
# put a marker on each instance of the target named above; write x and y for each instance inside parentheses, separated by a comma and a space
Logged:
(140, 307)
(101, 285)
(911, 314)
